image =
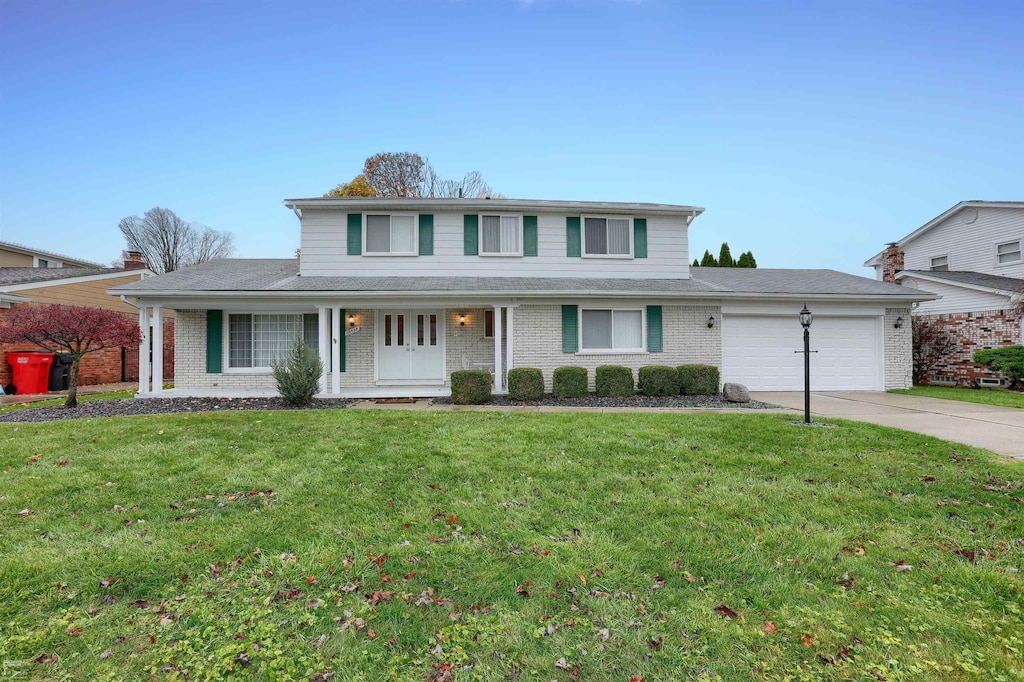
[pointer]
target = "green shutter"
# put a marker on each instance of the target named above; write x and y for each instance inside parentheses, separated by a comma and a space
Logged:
(572, 237)
(214, 341)
(341, 341)
(654, 335)
(529, 235)
(470, 234)
(570, 326)
(426, 235)
(355, 234)
(640, 238)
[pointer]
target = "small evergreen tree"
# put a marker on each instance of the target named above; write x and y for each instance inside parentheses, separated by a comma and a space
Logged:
(298, 376)
(753, 261)
(696, 263)
(708, 260)
(746, 260)
(725, 259)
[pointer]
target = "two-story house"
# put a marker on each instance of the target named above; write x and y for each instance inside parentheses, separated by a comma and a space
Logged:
(971, 257)
(396, 294)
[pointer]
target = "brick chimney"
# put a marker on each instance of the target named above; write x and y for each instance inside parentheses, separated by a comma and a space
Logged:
(892, 262)
(134, 260)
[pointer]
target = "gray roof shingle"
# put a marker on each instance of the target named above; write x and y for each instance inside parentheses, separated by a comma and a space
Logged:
(11, 276)
(281, 275)
(978, 279)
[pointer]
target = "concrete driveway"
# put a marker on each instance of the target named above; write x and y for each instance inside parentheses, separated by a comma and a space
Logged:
(1000, 429)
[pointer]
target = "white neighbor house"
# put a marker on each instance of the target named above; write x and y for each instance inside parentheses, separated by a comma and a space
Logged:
(398, 293)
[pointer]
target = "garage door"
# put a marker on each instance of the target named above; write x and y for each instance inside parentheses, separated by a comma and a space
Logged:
(758, 352)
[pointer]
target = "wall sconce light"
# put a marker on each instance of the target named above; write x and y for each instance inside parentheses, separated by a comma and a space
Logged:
(462, 320)
(711, 322)
(899, 322)
(351, 320)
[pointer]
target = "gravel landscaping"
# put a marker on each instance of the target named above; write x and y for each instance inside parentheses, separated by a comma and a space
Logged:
(696, 401)
(136, 406)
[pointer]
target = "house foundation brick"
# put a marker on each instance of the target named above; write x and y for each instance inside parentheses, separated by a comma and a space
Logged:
(976, 331)
(899, 351)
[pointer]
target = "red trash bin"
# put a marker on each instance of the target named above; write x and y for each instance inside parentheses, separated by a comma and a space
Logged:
(30, 372)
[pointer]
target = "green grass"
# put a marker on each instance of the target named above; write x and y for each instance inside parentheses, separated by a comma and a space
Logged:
(496, 545)
(82, 398)
(986, 396)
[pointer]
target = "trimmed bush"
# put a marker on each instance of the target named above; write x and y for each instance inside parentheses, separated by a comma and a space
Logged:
(659, 380)
(614, 381)
(698, 379)
(570, 382)
(471, 387)
(298, 376)
(525, 383)
(1009, 360)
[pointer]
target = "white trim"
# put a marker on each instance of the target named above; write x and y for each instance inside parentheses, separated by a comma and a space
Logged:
(963, 285)
(498, 375)
(530, 206)
(158, 350)
(336, 332)
(323, 344)
(442, 342)
(415, 234)
(51, 263)
(480, 236)
(613, 351)
(509, 336)
(583, 236)
(1020, 253)
(144, 351)
(72, 280)
(932, 259)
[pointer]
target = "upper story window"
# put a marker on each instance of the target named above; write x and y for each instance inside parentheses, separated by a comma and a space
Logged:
(390, 235)
(260, 340)
(940, 263)
(501, 235)
(1008, 252)
(612, 330)
(607, 237)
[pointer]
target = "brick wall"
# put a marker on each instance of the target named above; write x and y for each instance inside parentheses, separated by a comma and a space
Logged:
(892, 262)
(899, 366)
(537, 341)
(976, 331)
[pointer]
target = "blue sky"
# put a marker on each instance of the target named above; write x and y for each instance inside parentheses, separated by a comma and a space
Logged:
(811, 132)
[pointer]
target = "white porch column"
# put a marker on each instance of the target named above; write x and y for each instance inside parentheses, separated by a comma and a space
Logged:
(144, 351)
(324, 345)
(336, 331)
(508, 341)
(158, 349)
(497, 349)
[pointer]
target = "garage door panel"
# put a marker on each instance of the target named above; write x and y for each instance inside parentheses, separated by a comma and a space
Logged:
(761, 352)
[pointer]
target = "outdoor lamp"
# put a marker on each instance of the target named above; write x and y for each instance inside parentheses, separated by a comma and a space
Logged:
(351, 320)
(899, 322)
(805, 320)
(711, 322)
(806, 317)
(462, 320)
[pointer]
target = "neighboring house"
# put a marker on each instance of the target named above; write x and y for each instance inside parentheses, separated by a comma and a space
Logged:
(396, 294)
(971, 257)
(81, 286)
(19, 256)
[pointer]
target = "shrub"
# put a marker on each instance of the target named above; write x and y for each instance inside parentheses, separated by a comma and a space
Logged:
(525, 383)
(614, 381)
(698, 379)
(1008, 360)
(570, 382)
(659, 380)
(932, 344)
(471, 387)
(298, 376)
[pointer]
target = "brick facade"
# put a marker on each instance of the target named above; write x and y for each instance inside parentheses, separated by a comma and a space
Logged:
(898, 350)
(977, 331)
(892, 262)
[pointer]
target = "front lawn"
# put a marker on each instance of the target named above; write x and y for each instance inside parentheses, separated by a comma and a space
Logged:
(437, 546)
(985, 396)
(59, 400)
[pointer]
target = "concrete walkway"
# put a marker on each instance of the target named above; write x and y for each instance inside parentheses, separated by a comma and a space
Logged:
(1000, 429)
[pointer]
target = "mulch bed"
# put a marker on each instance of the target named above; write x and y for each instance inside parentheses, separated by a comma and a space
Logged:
(697, 401)
(136, 406)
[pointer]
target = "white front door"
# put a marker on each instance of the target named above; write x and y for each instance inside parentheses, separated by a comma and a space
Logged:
(410, 346)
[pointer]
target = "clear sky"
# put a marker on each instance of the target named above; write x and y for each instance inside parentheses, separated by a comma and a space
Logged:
(812, 132)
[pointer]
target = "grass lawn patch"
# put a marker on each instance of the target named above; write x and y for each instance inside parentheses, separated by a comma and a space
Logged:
(985, 396)
(59, 400)
(500, 546)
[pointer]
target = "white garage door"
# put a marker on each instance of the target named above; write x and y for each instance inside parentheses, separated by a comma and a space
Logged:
(758, 352)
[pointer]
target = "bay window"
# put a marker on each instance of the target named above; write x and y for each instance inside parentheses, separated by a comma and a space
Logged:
(607, 237)
(390, 235)
(259, 340)
(612, 330)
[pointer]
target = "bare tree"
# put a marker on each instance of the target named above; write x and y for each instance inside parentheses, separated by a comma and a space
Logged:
(169, 243)
(406, 174)
(932, 344)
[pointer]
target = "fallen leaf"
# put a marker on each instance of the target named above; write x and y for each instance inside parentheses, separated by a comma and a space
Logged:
(724, 610)
(806, 640)
(583, 579)
(311, 579)
(769, 628)
(656, 643)
(24, 512)
(561, 664)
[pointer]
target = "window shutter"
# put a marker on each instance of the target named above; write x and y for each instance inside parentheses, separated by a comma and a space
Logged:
(355, 234)
(654, 335)
(426, 235)
(570, 329)
(529, 235)
(214, 341)
(572, 237)
(341, 341)
(470, 234)
(640, 238)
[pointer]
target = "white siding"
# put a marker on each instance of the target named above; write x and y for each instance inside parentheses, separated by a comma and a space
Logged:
(324, 252)
(969, 246)
(955, 299)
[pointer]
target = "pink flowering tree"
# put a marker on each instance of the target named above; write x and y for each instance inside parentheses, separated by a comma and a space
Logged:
(75, 330)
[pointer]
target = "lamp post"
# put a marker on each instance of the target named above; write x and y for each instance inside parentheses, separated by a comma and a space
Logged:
(805, 321)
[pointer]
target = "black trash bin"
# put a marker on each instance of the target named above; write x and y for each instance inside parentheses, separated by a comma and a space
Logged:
(60, 372)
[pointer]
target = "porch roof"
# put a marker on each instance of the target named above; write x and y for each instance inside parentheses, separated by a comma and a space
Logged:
(280, 278)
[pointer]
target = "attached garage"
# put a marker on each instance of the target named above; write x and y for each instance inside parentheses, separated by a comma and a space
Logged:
(759, 350)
